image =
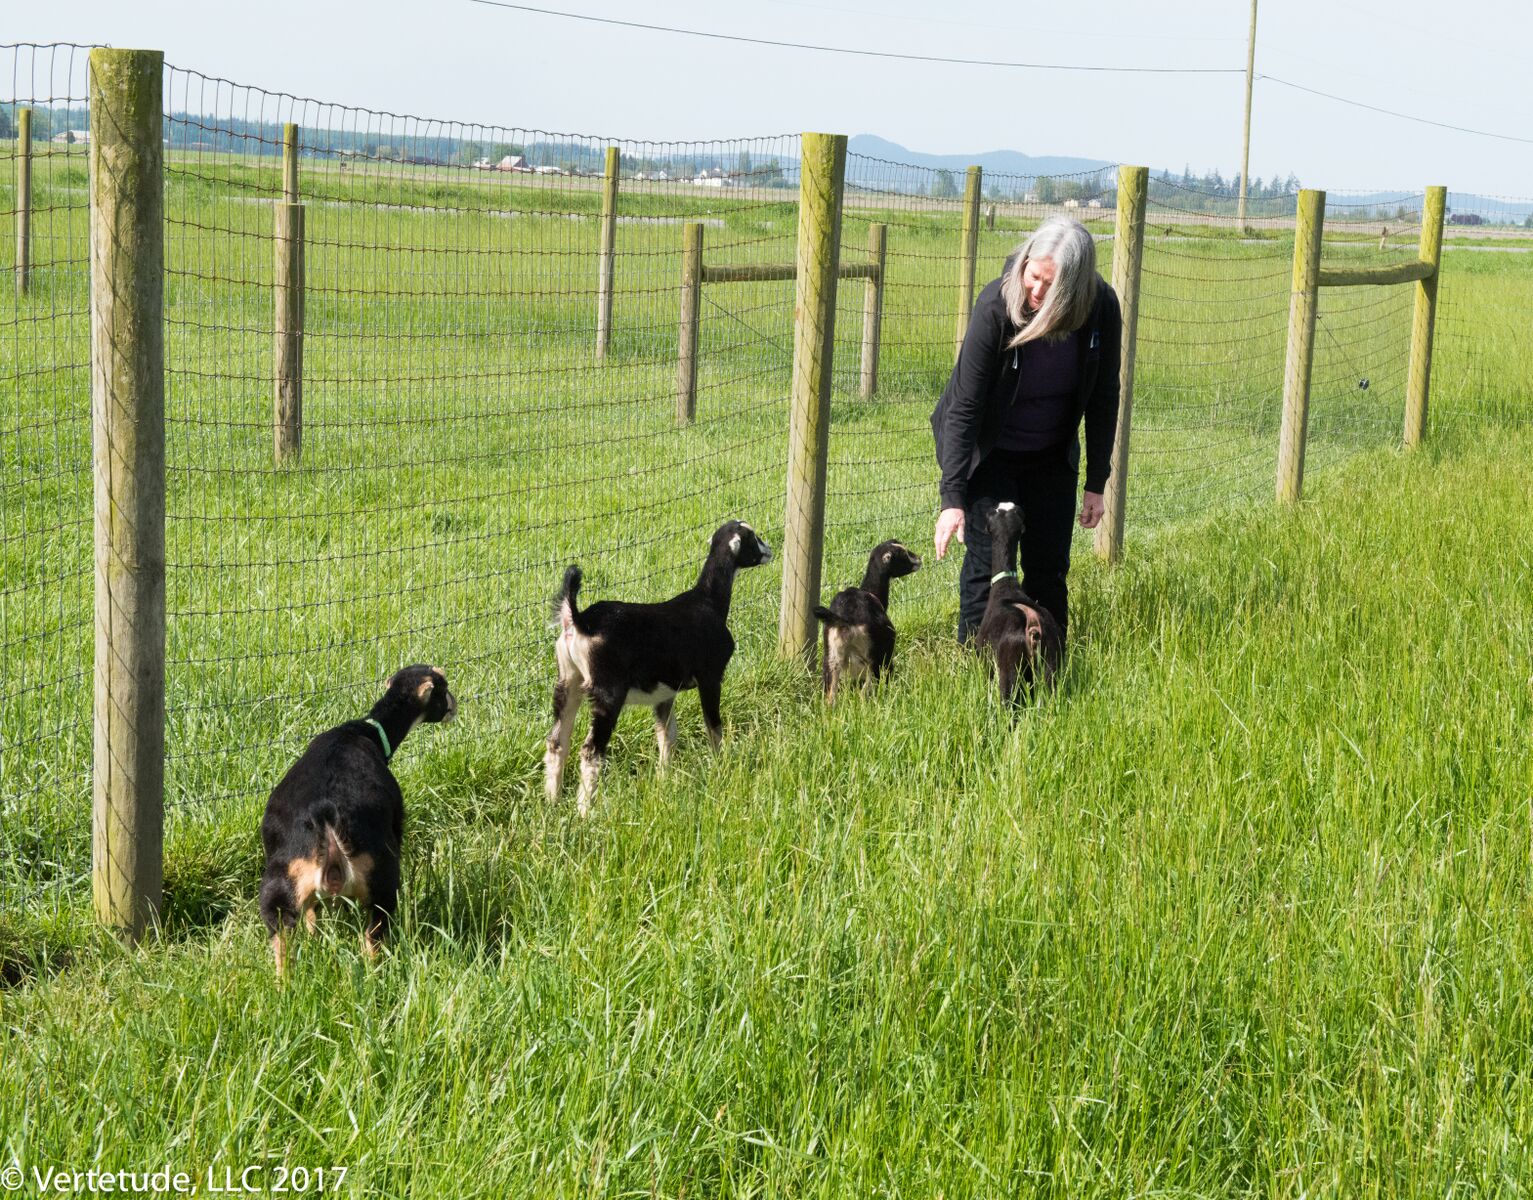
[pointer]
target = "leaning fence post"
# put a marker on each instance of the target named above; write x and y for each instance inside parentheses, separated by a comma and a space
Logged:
(821, 181)
(969, 252)
(1127, 258)
(1419, 382)
(607, 260)
(691, 306)
(1303, 305)
(23, 199)
(873, 310)
(288, 296)
(127, 253)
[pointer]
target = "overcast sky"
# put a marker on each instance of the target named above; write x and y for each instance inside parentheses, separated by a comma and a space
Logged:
(1464, 64)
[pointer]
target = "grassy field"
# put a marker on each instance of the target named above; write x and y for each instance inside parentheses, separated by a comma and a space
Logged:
(1241, 911)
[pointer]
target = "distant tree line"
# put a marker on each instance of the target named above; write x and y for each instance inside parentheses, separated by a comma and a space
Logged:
(236, 135)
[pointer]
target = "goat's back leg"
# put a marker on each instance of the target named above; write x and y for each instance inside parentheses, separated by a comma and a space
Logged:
(593, 753)
(827, 669)
(709, 693)
(568, 693)
(378, 905)
(665, 729)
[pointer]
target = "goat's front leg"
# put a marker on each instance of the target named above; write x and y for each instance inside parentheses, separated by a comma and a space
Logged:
(709, 692)
(593, 753)
(665, 730)
(567, 697)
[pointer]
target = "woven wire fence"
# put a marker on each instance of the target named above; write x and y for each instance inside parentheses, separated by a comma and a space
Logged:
(1482, 361)
(46, 573)
(1208, 382)
(461, 441)
(1362, 334)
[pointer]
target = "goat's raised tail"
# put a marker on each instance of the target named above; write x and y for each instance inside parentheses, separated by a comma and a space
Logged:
(569, 614)
(821, 613)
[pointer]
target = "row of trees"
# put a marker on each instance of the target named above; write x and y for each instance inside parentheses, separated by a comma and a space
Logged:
(46, 121)
(1031, 189)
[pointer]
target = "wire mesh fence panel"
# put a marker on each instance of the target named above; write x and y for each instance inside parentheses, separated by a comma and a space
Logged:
(1482, 366)
(1362, 333)
(461, 442)
(45, 480)
(471, 421)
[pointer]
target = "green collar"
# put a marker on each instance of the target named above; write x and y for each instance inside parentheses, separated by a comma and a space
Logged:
(994, 579)
(388, 751)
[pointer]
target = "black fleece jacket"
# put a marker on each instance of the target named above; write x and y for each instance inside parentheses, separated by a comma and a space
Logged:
(969, 417)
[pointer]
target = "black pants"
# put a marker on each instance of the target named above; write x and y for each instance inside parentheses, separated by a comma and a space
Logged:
(1042, 484)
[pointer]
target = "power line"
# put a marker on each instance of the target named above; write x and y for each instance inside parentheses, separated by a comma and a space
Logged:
(1505, 137)
(963, 62)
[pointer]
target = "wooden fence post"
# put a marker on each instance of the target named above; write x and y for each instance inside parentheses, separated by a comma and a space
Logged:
(821, 183)
(1303, 305)
(1127, 258)
(287, 357)
(969, 251)
(1419, 382)
(691, 309)
(288, 299)
(127, 254)
(23, 200)
(290, 163)
(607, 257)
(873, 310)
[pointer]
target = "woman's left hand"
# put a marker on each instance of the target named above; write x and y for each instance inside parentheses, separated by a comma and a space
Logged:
(1091, 509)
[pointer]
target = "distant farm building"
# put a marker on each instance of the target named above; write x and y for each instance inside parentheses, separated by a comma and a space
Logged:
(513, 162)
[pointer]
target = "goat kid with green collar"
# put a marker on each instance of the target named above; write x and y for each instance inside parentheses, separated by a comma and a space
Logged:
(335, 823)
(1024, 637)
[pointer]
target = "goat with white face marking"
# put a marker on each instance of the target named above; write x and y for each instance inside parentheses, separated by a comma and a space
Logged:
(617, 653)
(1022, 634)
(859, 636)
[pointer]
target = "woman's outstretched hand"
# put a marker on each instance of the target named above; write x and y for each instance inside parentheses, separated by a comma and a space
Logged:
(949, 524)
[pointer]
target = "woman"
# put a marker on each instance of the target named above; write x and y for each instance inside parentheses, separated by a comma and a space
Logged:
(1040, 354)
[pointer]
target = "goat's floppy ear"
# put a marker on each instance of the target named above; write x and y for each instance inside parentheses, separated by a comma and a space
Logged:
(888, 556)
(389, 682)
(424, 689)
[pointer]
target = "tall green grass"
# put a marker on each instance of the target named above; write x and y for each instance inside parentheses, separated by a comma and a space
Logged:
(1243, 910)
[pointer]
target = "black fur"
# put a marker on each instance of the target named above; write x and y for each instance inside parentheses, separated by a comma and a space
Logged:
(340, 814)
(1026, 640)
(861, 617)
(614, 648)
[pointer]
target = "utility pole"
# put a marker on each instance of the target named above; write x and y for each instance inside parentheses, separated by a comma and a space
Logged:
(1245, 148)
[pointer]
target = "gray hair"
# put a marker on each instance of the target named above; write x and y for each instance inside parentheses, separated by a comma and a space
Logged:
(1065, 309)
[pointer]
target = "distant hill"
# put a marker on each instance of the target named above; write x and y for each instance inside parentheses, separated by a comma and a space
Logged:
(1492, 208)
(998, 162)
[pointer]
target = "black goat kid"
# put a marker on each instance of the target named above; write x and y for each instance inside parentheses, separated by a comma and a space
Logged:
(619, 653)
(1023, 635)
(333, 824)
(859, 636)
